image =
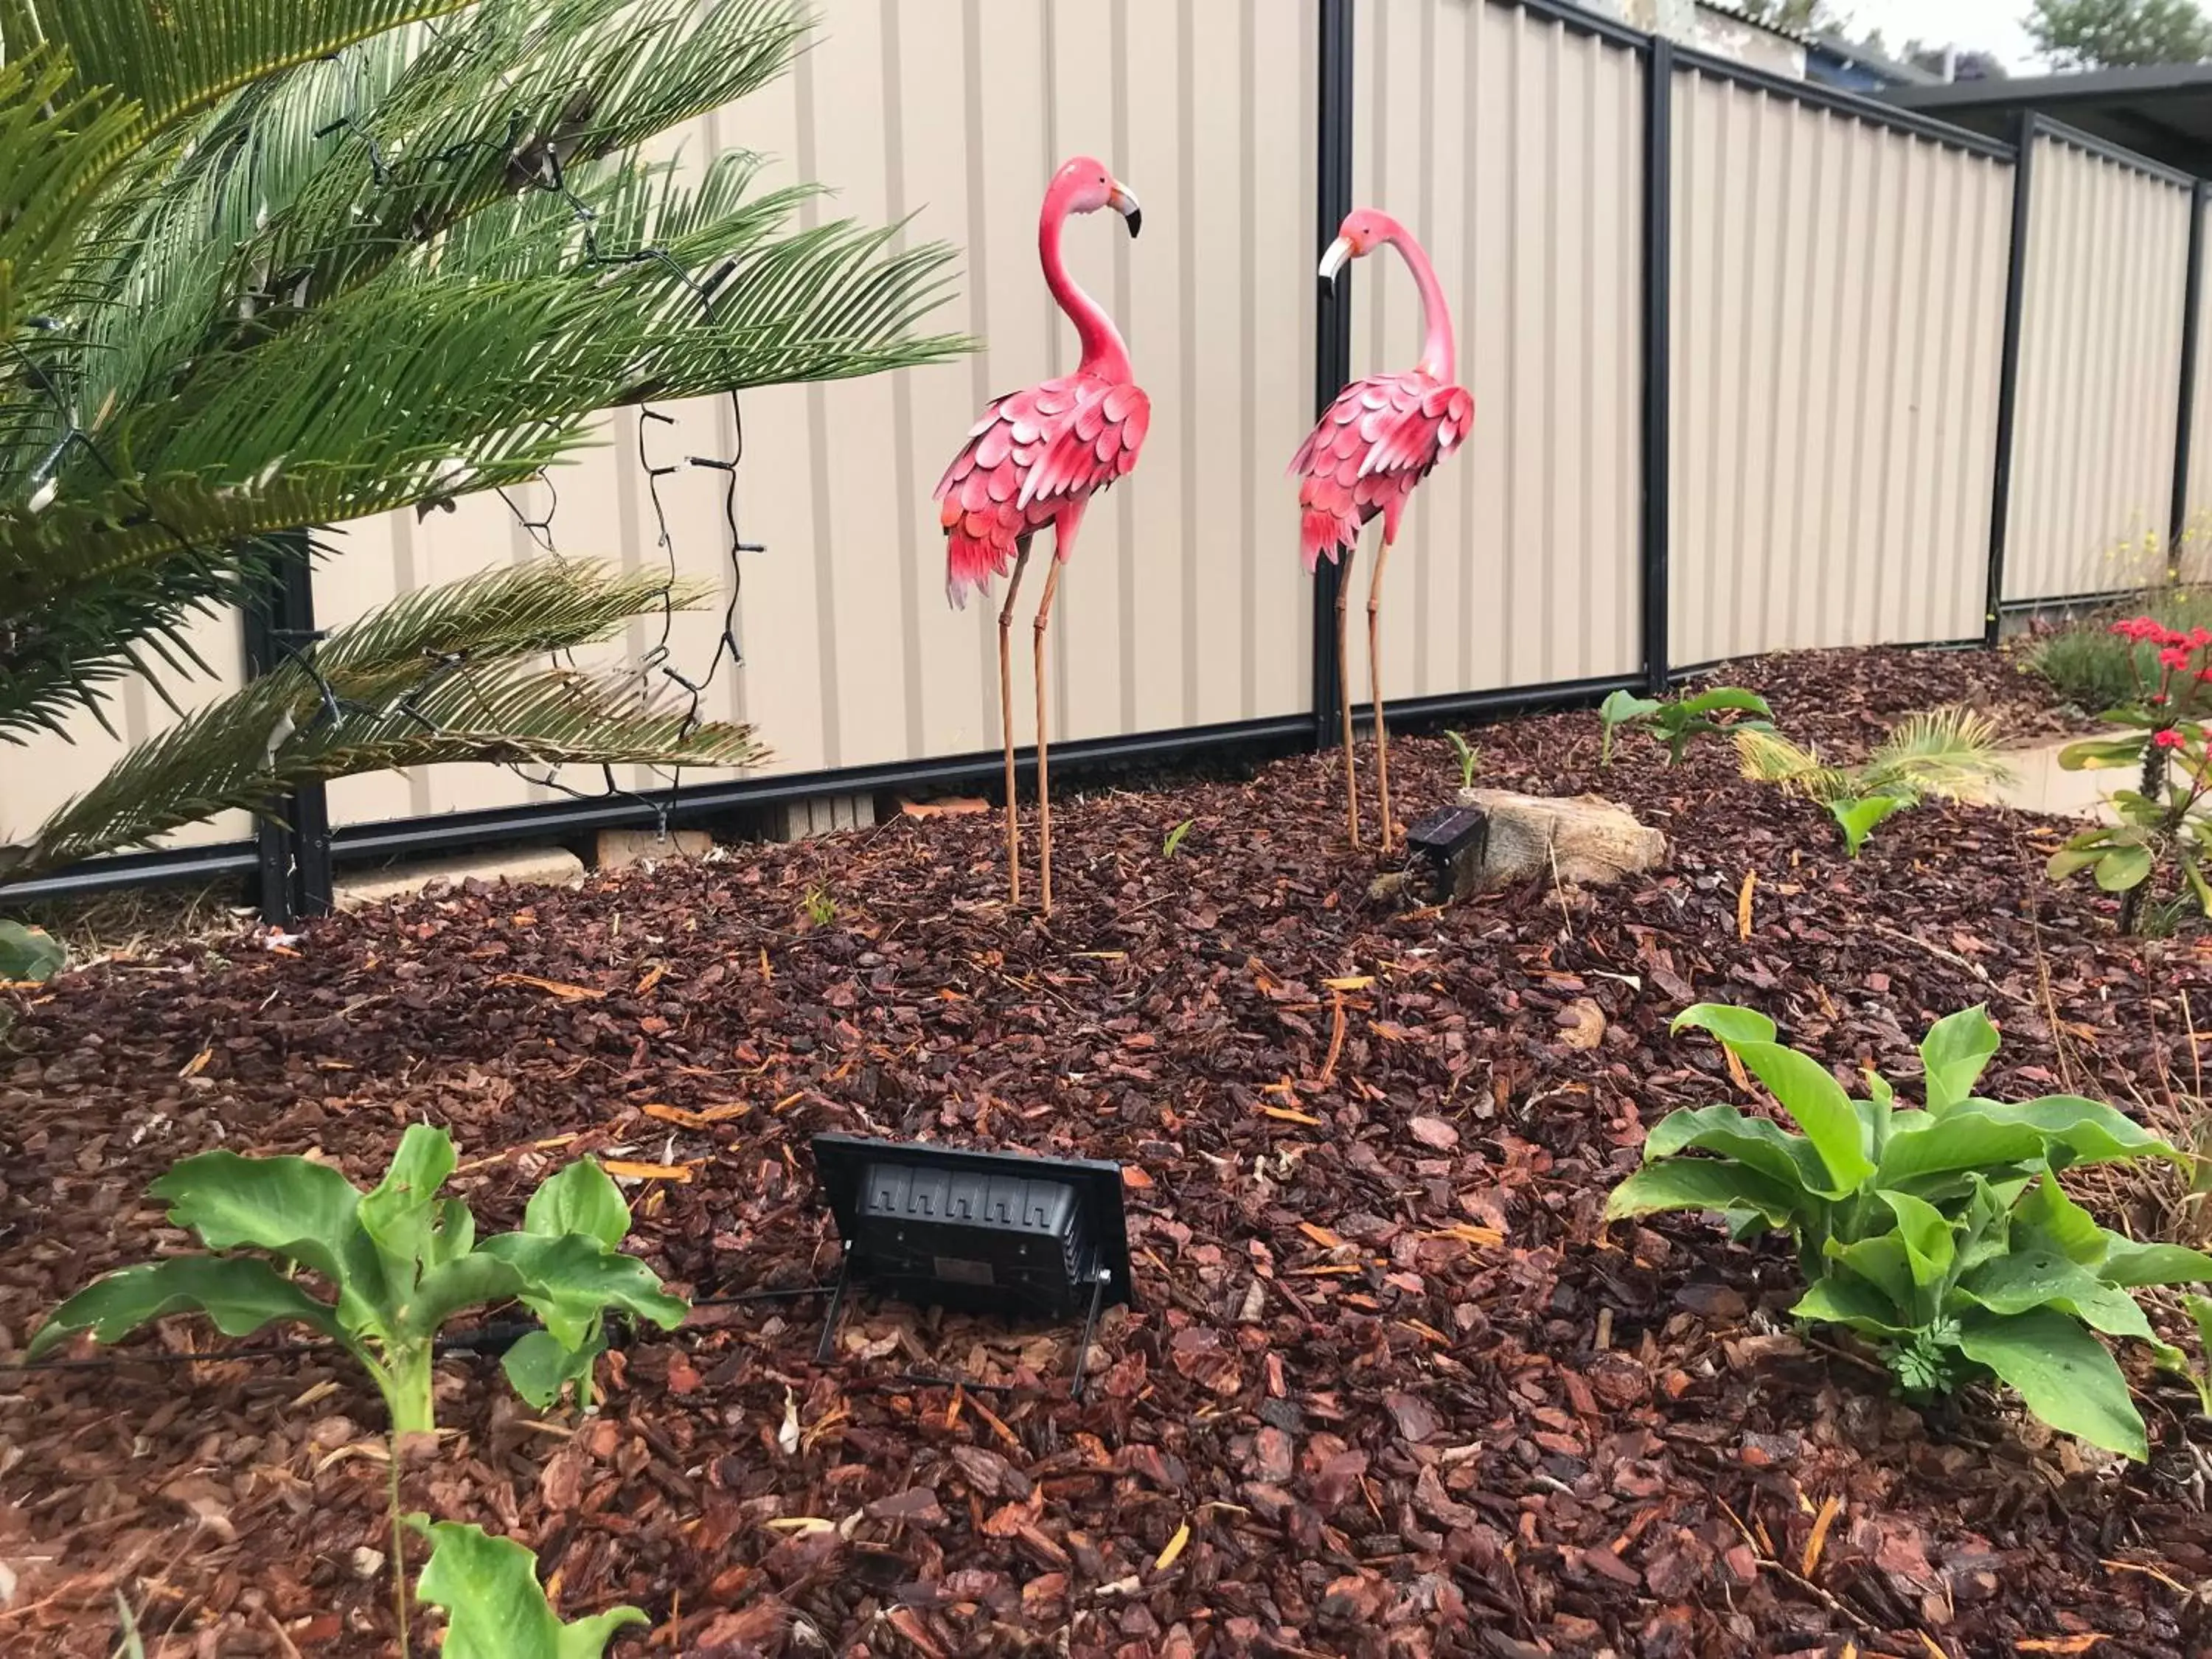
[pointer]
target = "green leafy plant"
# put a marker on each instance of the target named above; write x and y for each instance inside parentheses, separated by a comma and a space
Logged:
(28, 954)
(2161, 824)
(821, 908)
(1674, 721)
(304, 262)
(1941, 1233)
(1857, 816)
(1468, 755)
(1951, 753)
(401, 1261)
(494, 1606)
(1172, 844)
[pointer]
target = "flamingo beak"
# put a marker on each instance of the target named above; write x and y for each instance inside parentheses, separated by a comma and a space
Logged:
(1123, 201)
(1339, 256)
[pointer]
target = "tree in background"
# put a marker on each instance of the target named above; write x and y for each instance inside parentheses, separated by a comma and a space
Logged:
(2081, 35)
(284, 264)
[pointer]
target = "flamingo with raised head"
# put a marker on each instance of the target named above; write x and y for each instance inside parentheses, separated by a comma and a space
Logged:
(1036, 459)
(1380, 437)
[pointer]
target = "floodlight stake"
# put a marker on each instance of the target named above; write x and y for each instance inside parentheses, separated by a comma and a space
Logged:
(823, 1348)
(1090, 1326)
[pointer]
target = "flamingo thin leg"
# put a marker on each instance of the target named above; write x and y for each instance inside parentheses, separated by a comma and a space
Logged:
(1375, 680)
(1344, 691)
(1006, 727)
(1044, 776)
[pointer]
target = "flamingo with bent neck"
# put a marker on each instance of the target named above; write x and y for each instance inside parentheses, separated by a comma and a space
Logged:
(1036, 459)
(1380, 438)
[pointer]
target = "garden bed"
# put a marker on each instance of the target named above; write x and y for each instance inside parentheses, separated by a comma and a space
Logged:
(1403, 1389)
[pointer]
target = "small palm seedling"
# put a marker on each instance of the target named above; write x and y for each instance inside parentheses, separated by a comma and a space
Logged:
(1675, 720)
(1468, 755)
(401, 1261)
(494, 1606)
(821, 908)
(1949, 752)
(1940, 1233)
(1172, 844)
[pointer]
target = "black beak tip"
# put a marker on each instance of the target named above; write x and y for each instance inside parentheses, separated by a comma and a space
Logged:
(1328, 286)
(1136, 220)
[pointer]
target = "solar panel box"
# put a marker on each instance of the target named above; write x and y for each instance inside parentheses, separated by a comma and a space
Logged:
(991, 1232)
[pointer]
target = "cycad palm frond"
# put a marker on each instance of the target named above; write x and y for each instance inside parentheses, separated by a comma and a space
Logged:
(449, 674)
(1769, 757)
(265, 267)
(1950, 752)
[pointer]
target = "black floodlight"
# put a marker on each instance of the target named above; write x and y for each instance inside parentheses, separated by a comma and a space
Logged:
(987, 1232)
(1449, 838)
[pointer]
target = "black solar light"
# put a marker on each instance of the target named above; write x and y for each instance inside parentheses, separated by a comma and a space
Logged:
(986, 1232)
(1452, 840)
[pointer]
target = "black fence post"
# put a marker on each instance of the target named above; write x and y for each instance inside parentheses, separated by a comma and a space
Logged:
(1658, 315)
(292, 840)
(1332, 326)
(2185, 424)
(2025, 128)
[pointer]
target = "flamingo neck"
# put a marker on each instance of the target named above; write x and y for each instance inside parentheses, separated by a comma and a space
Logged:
(1439, 357)
(1103, 353)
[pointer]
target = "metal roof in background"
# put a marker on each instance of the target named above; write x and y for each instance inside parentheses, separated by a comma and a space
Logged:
(2163, 112)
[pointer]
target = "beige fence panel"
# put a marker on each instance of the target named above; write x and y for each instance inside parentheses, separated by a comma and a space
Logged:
(1838, 314)
(1512, 147)
(1184, 603)
(2196, 548)
(2099, 351)
(38, 776)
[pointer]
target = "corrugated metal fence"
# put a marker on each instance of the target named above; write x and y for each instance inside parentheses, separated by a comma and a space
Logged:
(1739, 347)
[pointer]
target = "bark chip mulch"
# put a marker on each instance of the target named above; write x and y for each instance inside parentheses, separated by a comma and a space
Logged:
(1392, 1388)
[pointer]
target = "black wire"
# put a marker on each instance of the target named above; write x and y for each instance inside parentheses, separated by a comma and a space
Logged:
(486, 1340)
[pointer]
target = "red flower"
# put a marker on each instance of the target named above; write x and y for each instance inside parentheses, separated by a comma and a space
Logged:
(2200, 637)
(2172, 636)
(2158, 697)
(2140, 629)
(2174, 656)
(2169, 739)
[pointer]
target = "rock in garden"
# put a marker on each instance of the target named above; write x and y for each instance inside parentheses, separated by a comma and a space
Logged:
(1584, 841)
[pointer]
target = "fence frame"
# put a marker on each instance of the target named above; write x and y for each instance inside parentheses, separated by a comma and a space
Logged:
(295, 846)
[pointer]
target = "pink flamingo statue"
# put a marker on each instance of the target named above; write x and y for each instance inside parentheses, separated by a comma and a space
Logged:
(1036, 459)
(1379, 438)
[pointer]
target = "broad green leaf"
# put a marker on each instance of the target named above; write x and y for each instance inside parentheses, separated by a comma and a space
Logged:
(1955, 1052)
(2124, 867)
(1725, 696)
(1622, 706)
(2077, 856)
(2048, 1215)
(539, 1368)
(1837, 1300)
(2197, 884)
(2093, 1132)
(2039, 1277)
(1882, 1261)
(402, 1210)
(1922, 1144)
(494, 1606)
(2095, 754)
(581, 1198)
(1763, 1144)
(2061, 1372)
(29, 954)
(1696, 1183)
(455, 1235)
(1858, 815)
(1930, 1249)
(2126, 1262)
(241, 1294)
(569, 1281)
(1728, 1022)
(472, 1281)
(1820, 1107)
(289, 1207)
(1878, 1111)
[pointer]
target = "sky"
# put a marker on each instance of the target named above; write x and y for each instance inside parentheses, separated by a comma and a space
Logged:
(1989, 25)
